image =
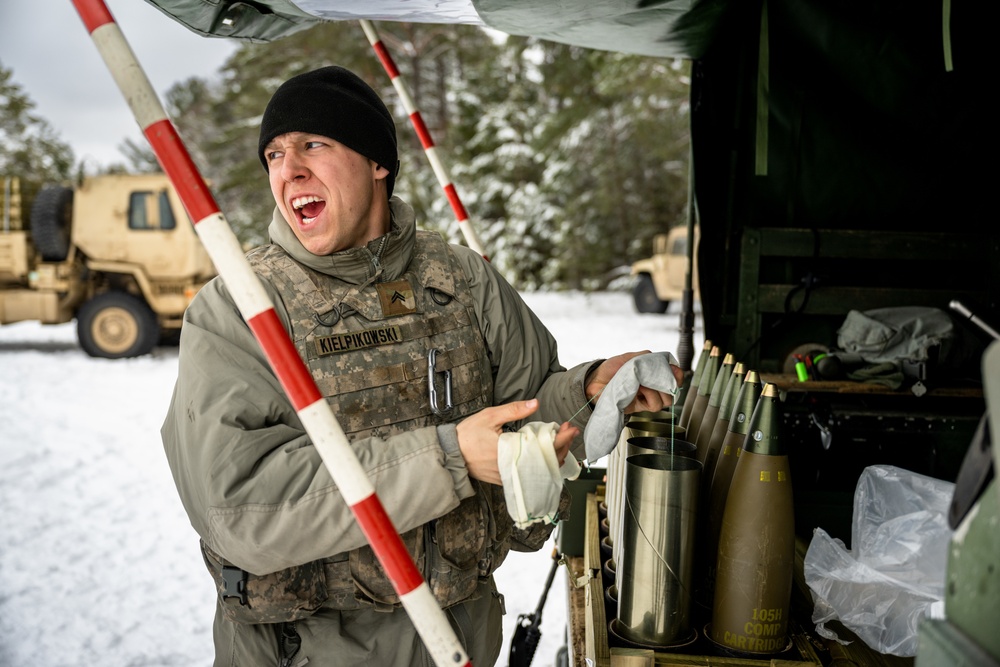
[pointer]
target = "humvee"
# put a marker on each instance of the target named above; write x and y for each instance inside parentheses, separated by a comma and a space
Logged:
(663, 277)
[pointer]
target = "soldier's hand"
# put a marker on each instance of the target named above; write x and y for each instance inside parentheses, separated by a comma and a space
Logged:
(564, 438)
(479, 434)
(645, 399)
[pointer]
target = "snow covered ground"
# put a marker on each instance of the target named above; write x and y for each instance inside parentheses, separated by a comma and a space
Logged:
(98, 563)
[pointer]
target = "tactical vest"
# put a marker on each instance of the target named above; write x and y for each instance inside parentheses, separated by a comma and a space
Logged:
(368, 351)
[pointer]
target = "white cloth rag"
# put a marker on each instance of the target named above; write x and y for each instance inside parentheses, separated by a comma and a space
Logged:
(605, 426)
(531, 474)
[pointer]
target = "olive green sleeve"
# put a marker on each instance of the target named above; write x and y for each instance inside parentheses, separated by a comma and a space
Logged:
(523, 354)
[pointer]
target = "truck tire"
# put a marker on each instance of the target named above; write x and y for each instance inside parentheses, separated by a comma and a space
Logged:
(51, 218)
(644, 294)
(114, 325)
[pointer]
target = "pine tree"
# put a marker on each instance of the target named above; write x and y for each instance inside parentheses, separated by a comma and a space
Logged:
(568, 160)
(29, 148)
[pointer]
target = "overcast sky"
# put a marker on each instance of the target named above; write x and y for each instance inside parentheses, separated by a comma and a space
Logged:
(55, 62)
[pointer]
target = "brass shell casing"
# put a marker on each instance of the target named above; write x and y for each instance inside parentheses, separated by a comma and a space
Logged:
(704, 392)
(712, 410)
(732, 444)
(753, 577)
(721, 427)
(692, 390)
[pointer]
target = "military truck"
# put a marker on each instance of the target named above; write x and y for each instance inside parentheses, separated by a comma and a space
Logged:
(117, 253)
(661, 278)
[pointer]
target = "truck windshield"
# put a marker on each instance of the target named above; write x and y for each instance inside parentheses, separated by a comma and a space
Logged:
(150, 210)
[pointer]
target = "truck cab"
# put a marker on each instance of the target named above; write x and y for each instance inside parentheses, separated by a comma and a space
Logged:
(117, 253)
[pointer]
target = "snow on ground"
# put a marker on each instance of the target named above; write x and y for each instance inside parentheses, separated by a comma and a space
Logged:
(98, 563)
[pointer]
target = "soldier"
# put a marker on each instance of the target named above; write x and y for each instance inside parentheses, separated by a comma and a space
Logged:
(374, 306)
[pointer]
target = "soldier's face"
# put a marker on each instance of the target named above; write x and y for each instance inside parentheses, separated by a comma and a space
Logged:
(332, 197)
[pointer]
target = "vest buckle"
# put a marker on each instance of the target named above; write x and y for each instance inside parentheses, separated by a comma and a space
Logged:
(234, 584)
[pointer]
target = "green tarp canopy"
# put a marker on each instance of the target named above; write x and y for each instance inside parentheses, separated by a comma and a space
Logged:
(806, 115)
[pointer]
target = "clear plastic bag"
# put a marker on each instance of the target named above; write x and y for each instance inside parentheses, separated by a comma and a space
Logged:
(895, 574)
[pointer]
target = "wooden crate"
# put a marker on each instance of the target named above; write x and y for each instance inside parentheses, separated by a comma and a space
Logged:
(587, 623)
(589, 644)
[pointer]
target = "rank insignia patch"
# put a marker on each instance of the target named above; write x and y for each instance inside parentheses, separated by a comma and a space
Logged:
(396, 298)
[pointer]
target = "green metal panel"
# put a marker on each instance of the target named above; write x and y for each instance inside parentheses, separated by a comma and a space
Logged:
(941, 644)
(797, 285)
(972, 594)
(968, 636)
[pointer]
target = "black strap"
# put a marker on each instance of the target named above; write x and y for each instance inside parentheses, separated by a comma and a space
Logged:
(974, 475)
(291, 642)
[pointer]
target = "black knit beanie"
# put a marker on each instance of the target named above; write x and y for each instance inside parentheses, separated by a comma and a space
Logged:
(336, 103)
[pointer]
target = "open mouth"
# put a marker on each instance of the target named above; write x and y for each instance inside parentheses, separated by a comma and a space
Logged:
(308, 208)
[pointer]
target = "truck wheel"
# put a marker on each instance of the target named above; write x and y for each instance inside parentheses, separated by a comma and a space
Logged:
(51, 215)
(113, 325)
(644, 294)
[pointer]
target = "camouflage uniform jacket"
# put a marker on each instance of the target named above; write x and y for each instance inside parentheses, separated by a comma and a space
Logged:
(254, 487)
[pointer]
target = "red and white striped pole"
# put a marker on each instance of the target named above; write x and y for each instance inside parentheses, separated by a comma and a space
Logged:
(257, 309)
(425, 138)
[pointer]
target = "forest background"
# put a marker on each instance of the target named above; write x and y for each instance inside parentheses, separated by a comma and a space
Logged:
(568, 160)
